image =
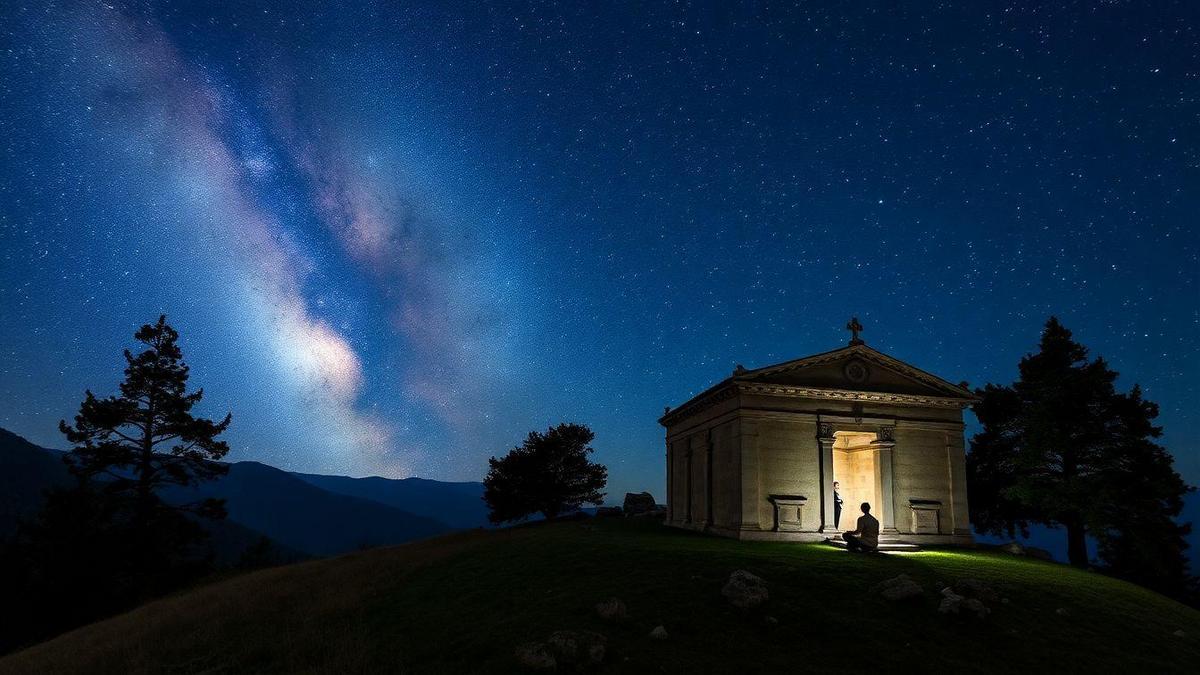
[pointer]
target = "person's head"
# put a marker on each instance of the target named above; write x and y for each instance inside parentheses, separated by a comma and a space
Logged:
(866, 507)
(836, 484)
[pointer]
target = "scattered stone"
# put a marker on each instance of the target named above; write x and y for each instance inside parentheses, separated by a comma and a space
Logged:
(1061, 611)
(1012, 548)
(612, 610)
(577, 647)
(659, 633)
(953, 603)
(745, 590)
(974, 588)
(638, 503)
(772, 621)
(974, 606)
(1004, 601)
(1179, 633)
(609, 512)
(536, 655)
(900, 587)
(1015, 548)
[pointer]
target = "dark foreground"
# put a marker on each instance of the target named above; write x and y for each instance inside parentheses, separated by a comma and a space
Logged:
(463, 603)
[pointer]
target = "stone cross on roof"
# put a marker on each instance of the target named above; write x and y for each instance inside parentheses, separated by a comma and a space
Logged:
(855, 328)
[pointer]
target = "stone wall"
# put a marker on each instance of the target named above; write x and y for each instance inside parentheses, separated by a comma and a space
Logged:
(921, 470)
(789, 459)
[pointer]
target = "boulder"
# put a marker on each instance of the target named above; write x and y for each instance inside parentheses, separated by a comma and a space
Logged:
(659, 633)
(612, 609)
(1015, 548)
(577, 647)
(974, 588)
(953, 603)
(900, 587)
(659, 512)
(637, 503)
(536, 656)
(745, 590)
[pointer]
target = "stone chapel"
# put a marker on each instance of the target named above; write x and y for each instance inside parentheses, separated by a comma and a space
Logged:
(756, 455)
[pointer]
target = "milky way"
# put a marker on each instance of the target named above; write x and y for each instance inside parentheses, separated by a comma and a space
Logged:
(395, 239)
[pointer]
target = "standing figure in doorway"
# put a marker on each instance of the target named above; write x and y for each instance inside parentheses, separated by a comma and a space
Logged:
(837, 506)
(865, 537)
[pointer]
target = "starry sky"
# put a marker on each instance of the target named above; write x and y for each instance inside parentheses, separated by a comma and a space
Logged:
(395, 237)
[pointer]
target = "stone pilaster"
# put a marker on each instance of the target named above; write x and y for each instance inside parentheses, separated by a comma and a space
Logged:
(750, 484)
(884, 445)
(708, 480)
(825, 441)
(687, 512)
(670, 484)
(956, 460)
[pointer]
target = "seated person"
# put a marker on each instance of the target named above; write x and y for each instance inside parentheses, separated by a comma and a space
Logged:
(865, 537)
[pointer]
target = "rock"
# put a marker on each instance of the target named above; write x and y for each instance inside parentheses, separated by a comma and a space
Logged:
(1061, 611)
(745, 590)
(953, 603)
(659, 512)
(536, 655)
(609, 512)
(974, 606)
(1039, 553)
(612, 610)
(900, 587)
(581, 647)
(1014, 548)
(659, 633)
(1179, 633)
(772, 621)
(974, 588)
(639, 502)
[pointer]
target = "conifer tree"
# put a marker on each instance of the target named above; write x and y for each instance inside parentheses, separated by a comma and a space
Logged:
(131, 447)
(1062, 447)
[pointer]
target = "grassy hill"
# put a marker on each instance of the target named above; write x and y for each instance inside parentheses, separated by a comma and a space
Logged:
(461, 603)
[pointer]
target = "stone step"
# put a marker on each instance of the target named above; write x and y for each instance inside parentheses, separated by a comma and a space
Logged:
(884, 545)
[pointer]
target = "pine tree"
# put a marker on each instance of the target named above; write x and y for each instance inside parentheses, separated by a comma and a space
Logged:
(1062, 447)
(131, 447)
(549, 474)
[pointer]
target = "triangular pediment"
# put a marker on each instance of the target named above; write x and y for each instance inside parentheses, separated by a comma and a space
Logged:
(855, 368)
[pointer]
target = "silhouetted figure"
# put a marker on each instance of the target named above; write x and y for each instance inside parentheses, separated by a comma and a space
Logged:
(865, 536)
(837, 505)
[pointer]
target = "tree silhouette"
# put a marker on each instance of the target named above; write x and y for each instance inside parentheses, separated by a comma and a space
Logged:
(549, 474)
(1062, 447)
(130, 447)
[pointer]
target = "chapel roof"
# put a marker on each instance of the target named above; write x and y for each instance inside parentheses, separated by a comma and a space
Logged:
(855, 372)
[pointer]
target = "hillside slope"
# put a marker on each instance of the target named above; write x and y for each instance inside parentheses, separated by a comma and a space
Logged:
(461, 603)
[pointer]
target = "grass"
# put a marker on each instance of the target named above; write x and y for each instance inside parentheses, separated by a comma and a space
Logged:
(462, 603)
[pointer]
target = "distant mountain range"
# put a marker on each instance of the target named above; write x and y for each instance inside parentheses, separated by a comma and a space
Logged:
(304, 514)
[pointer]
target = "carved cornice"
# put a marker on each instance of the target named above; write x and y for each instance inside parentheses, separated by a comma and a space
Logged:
(722, 391)
(852, 395)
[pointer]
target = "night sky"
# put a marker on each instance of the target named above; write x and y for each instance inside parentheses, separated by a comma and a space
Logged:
(396, 239)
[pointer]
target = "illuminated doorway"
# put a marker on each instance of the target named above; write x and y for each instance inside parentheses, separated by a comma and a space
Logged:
(856, 469)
